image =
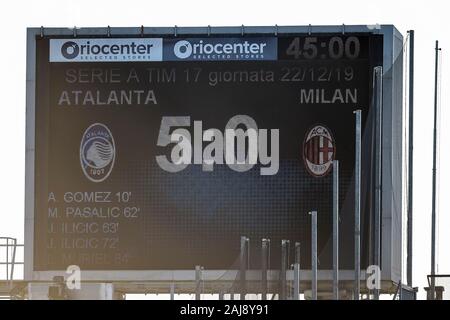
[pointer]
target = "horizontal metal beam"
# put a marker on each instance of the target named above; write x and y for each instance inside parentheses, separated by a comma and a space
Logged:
(207, 30)
(209, 287)
(11, 245)
(189, 275)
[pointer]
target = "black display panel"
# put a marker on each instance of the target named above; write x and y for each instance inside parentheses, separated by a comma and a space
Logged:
(104, 201)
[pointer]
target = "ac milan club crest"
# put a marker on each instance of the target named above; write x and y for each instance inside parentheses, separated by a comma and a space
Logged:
(319, 151)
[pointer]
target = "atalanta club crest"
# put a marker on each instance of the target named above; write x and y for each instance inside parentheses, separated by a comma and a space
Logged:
(97, 152)
(319, 151)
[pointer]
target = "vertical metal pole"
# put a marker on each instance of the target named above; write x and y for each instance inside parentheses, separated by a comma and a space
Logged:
(410, 160)
(433, 212)
(296, 281)
(198, 279)
(378, 101)
(314, 254)
(13, 263)
(336, 230)
(7, 259)
(172, 291)
(13, 259)
(243, 261)
(297, 253)
(264, 270)
(297, 272)
(358, 205)
(221, 295)
(284, 253)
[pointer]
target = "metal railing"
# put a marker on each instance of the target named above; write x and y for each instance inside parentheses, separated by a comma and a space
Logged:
(438, 287)
(10, 246)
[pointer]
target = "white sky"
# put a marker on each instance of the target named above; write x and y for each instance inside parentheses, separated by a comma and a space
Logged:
(427, 18)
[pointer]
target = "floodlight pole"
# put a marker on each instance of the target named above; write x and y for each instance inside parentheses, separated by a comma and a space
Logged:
(358, 205)
(433, 212)
(314, 254)
(336, 230)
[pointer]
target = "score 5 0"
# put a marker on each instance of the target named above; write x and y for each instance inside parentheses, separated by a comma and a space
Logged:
(240, 149)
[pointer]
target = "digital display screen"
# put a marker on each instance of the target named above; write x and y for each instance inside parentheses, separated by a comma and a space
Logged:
(160, 153)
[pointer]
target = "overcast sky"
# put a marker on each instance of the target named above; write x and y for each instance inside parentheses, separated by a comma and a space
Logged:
(428, 18)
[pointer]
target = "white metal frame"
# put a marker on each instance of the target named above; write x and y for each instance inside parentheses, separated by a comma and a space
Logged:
(392, 114)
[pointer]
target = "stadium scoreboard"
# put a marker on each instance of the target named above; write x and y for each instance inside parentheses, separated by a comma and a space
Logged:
(157, 152)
